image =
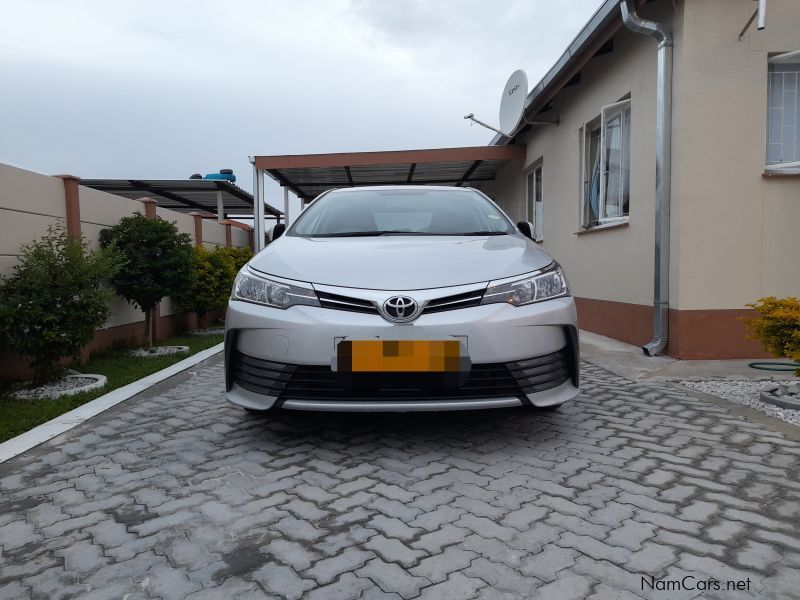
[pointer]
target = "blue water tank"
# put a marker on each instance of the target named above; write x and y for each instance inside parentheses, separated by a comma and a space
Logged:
(224, 175)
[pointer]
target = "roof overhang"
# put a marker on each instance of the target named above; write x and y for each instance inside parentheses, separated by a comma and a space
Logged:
(308, 175)
(183, 195)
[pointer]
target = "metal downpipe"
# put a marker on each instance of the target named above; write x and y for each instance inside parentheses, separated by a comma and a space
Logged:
(663, 172)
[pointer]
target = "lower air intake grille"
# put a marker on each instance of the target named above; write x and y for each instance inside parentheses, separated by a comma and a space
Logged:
(310, 382)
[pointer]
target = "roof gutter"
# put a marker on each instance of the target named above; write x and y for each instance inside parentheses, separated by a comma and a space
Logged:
(663, 172)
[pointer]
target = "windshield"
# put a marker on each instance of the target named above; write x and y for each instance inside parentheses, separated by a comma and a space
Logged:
(355, 212)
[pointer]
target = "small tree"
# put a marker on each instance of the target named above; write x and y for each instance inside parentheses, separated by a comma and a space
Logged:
(158, 262)
(214, 275)
(55, 300)
(777, 327)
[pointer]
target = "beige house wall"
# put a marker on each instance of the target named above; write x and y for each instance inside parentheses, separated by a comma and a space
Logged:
(739, 231)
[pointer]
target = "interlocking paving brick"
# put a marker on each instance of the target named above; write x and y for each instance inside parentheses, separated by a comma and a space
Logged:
(327, 569)
(437, 568)
(546, 564)
(282, 581)
(392, 578)
(176, 494)
(631, 534)
(392, 550)
(456, 586)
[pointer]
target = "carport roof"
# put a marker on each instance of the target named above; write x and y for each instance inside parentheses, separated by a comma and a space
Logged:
(308, 175)
(183, 195)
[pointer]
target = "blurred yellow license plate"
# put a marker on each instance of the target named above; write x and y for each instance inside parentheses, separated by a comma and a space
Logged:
(374, 356)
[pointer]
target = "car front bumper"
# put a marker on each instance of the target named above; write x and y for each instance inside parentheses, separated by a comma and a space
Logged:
(516, 353)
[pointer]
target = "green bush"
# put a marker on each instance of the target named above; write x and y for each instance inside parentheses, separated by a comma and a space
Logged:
(214, 275)
(240, 256)
(55, 300)
(158, 262)
(777, 327)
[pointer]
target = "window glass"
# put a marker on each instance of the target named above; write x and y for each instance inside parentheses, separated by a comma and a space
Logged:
(616, 168)
(783, 109)
(537, 203)
(592, 183)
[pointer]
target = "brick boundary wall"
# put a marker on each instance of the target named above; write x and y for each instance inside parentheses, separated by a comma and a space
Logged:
(164, 326)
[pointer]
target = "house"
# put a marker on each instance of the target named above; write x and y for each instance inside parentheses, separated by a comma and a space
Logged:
(588, 183)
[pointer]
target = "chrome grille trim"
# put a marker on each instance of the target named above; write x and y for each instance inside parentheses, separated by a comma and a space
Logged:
(431, 300)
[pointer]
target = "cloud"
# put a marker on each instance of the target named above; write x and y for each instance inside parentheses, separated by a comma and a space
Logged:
(165, 89)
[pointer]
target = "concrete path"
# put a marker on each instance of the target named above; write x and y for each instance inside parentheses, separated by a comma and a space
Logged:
(629, 361)
(636, 489)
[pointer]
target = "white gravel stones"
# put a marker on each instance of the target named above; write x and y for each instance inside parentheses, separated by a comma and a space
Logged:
(746, 392)
(158, 351)
(66, 386)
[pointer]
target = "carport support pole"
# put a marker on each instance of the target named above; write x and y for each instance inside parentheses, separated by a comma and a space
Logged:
(220, 207)
(286, 205)
(258, 208)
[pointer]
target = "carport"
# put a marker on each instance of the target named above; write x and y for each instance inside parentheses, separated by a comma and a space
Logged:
(308, 175)
(209, 197)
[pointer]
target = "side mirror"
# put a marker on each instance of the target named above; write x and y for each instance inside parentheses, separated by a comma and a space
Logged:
(526, 229)
(276, 231)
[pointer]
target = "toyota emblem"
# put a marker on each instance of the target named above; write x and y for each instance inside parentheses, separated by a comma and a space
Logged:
(400, 308)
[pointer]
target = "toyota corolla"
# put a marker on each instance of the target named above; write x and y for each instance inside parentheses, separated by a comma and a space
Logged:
(403, 298)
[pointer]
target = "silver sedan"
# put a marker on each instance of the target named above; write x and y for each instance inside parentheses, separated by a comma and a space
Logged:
(403, 298)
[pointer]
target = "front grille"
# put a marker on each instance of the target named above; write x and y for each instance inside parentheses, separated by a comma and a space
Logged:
(319, 383)
(348, 303)
(453, 302)
(360, 305)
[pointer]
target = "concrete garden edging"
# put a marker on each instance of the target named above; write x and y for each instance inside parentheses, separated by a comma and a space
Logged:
(62, 423)
(44, 393)
(784, 395)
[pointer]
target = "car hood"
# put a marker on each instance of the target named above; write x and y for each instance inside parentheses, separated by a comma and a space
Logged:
(400, 262)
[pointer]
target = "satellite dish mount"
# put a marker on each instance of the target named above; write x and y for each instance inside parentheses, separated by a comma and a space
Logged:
(512, 107)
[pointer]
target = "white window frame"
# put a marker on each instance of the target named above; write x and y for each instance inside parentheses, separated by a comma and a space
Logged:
(774, 109)
(607, 112)
(534, 200)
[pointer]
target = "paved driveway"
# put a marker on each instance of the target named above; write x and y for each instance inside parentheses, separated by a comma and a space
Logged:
(175, 494)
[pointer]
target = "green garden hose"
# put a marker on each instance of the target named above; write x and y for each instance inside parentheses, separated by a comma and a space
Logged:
(774, 366)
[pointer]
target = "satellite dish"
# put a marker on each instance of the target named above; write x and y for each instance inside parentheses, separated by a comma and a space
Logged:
(512, 104)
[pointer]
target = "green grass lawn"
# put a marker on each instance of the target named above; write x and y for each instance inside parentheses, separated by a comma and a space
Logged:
(18, 416)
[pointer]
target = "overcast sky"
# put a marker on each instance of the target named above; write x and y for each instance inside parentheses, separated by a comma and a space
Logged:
(165, 89)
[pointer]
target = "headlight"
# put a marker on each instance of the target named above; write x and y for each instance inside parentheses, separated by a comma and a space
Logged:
(545, 286)
(260, 290)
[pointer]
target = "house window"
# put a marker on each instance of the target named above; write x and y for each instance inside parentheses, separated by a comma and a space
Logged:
(534, 206)
(606, 181)
(783, 111)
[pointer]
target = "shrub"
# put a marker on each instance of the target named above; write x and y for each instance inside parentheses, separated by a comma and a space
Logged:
(158, 262)
(777, 327)
(55, 300)
(240, 256)
(214, 275)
